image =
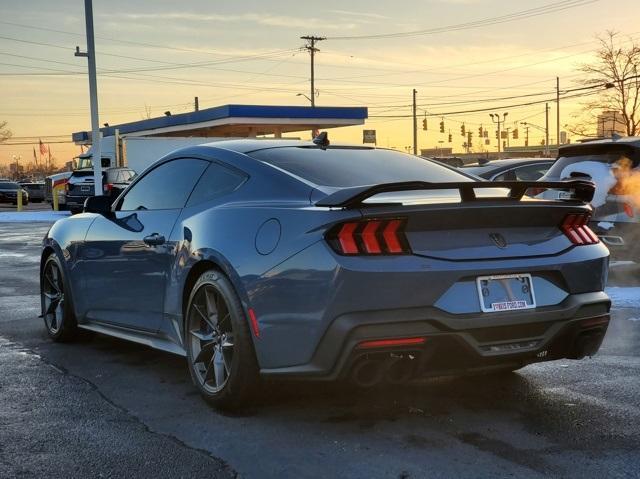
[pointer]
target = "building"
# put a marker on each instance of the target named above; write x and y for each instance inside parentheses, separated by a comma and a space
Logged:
(610, 122)
(237, 121)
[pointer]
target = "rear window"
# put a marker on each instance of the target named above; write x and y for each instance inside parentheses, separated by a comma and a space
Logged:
(346, 167)
(8, 185)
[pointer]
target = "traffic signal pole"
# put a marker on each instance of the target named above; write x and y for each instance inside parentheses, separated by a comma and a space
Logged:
(415, 124)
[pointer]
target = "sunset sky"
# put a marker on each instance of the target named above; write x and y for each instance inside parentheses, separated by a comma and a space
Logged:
(158, 55)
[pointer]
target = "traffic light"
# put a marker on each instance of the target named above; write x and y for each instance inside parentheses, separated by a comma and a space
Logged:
(462, 130)
(515, 134)
(442, 126)
(480, 131)
(469, 139)
(497, 138)
(424, 124)
(450, 138)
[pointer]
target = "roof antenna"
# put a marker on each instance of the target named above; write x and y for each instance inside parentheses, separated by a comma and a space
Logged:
(322, 140)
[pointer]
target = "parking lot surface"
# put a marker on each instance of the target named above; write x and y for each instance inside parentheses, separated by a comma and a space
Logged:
(106, 408)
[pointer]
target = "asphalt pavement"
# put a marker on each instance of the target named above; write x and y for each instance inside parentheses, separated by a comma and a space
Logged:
(101, 407)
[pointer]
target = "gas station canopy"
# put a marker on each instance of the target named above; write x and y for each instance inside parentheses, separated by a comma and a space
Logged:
(237, 121)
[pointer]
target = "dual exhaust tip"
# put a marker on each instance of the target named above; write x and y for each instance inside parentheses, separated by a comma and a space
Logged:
(394, 369)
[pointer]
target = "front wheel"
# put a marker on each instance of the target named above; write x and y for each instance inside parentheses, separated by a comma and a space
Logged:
(220, 352)
(57, 310)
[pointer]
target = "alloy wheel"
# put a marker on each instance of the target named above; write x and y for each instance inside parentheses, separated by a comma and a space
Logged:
(210, 331)
(53, 296)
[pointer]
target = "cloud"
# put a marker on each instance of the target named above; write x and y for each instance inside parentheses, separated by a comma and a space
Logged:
(375, 16)
(256, 18)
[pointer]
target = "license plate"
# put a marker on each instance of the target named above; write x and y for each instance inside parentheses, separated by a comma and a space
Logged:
(566, 195)
(84, 188)
(506, 292)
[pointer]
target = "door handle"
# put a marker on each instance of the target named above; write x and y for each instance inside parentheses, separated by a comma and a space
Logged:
(154, 239)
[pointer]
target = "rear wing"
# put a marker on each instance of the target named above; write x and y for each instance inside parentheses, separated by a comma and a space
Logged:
(354, 197)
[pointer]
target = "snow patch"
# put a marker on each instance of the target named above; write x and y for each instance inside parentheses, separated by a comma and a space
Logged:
(27, 216)
(624, 297)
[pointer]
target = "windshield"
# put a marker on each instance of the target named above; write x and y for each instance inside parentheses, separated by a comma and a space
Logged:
(87, 163)
(346, 167)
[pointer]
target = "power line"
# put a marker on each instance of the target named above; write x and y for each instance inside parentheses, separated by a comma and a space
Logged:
(519, 15)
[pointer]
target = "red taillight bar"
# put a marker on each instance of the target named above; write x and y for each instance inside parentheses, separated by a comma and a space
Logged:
(390, 343)
(369, 237)
(575, 228)
(347, 239)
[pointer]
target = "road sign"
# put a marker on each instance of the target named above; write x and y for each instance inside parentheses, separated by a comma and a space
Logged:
(369, 136)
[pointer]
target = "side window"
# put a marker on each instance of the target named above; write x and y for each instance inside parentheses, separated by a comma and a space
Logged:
(215, 182)
(531, 172)
(165, 187)
(509, 175)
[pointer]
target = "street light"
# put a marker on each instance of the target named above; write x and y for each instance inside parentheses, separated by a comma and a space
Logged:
(495, 118)
(17, 158)
(302, 94)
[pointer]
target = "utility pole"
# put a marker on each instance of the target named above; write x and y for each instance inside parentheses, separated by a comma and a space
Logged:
(311, 46)
(526, 132)
(196, 104)
(90, 54)
(558, 110)
(546, 128)
(415, 125)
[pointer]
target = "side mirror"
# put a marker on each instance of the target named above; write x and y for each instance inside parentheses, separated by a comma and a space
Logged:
(97, 204)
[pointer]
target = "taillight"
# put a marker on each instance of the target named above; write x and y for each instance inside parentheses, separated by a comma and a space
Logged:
(575, 228)
(369, 237)
(628, 210)
(107, 187)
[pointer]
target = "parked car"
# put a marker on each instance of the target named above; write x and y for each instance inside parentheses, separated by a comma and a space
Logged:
(290, 259)
(510, 169)
(80, 185)
(9, 193)
(35, 191)
(447, 160)
(614, 165)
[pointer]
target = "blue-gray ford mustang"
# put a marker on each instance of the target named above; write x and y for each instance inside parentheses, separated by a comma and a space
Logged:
(295, 259)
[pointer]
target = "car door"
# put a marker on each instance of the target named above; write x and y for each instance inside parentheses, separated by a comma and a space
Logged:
(127, 256)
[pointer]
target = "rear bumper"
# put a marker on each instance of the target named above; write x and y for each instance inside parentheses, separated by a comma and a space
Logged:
(461, 344)
(75, 201)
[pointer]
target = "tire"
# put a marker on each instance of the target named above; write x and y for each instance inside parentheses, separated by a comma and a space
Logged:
(220, 354)
(57, 308)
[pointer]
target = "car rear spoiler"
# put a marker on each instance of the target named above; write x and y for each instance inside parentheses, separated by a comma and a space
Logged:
(353, 197)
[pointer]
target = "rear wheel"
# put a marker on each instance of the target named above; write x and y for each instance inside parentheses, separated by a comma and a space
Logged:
(57, 310)
(220, 352)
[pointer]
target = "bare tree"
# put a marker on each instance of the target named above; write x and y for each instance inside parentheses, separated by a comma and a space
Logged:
(5, 133)
(147, 112)
(618, 67)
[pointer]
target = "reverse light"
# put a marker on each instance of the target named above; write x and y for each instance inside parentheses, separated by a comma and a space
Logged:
(575, 228)
(390, 343)
(369, 237)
